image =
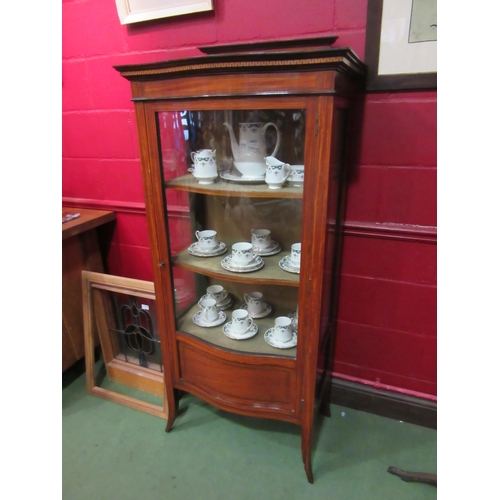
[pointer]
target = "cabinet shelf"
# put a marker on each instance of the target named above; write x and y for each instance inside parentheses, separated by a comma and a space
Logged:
(215, 336)
(270, 274)
(229, 188)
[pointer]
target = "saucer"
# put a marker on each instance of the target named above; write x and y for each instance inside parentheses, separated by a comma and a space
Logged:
(267, 310)
(272, 249)
(198, 320)
(228, 265)
(286, 265)
(225, 304)
(197, 251)
(238, 177)
(251, 332)
(268, 337)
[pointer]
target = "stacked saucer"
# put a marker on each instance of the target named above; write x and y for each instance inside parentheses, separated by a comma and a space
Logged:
(198, 251)
(235, 267)
(287, 265)
(223, 304)
(272, 249)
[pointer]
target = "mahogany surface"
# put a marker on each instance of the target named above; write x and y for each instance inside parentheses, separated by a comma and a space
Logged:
(80, 251)
(322, 81)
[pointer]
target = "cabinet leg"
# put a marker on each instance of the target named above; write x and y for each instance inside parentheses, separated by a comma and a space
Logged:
(173, 408)
(325, 407)
(306, 451)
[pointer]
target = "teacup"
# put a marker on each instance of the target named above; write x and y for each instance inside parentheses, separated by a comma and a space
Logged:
(241, 321)
(210, 312)
(296, 173)
(243, 253)
(261, 238)
(254, 302)
(282, 331)
(207, 239)
(217, 292)
(277, 172)
(295, 255)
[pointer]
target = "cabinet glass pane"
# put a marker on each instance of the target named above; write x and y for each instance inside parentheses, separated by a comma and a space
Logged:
(232, 219)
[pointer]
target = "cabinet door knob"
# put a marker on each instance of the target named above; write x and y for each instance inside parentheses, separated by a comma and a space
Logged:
(161, 264)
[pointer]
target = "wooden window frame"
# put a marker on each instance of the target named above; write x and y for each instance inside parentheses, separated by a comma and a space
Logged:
(95, 326)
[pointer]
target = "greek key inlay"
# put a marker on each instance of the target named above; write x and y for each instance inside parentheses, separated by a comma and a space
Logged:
(243, 64)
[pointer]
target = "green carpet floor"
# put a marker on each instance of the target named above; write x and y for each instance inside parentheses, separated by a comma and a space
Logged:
(111, 452)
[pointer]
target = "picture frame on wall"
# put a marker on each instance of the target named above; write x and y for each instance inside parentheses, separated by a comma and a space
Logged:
(135, 11)
(401, 44)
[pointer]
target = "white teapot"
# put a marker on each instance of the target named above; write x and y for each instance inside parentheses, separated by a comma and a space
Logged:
(249, 153)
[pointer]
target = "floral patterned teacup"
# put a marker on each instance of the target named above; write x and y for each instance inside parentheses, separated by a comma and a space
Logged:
(261, 238)
(282, 331)
(210, 311)
(297, 173)
(243, 253)
(241, 321)
(295, 255)
(254, 302)
(217, 292)
(207, 239)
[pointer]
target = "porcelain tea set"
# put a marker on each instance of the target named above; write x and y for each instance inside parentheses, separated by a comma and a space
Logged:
(242, 326)
(207, 245)
(251, 160)
(245, 256)
(291, 262)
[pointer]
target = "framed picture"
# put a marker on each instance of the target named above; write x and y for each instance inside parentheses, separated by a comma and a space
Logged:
(135, 11)
(401, 44)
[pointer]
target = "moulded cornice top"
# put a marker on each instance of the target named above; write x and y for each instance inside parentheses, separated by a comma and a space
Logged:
(272, 45)
(280, 55)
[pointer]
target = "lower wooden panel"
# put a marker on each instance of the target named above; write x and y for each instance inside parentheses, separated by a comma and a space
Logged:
(135, 376)
(252, 385)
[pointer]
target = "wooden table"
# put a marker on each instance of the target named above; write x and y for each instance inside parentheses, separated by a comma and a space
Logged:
(80, 250)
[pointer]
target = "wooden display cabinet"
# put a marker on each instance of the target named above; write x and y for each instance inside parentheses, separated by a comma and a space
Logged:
(181, 107)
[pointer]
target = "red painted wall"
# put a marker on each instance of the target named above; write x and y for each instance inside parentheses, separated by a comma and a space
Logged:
(387, 315)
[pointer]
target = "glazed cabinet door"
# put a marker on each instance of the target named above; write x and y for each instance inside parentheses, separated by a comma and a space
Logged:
(230, 230)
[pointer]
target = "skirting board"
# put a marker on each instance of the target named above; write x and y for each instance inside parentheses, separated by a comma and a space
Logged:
(384, 403)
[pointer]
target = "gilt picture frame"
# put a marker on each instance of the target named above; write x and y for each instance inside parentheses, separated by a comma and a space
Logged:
(135, 11)
(401, 44)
